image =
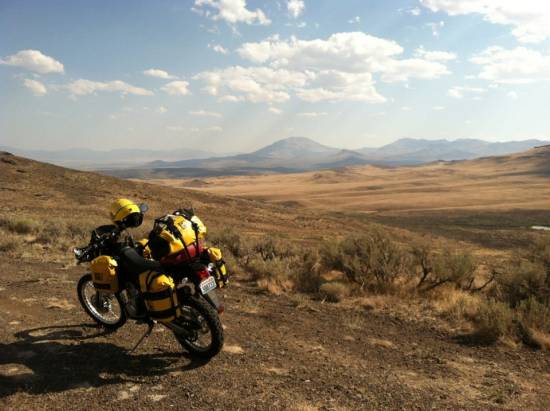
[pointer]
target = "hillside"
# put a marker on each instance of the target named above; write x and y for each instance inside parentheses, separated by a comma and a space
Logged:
(442, 193)
(371, 188)
(298, 154)
(90, 159)
(286, 352)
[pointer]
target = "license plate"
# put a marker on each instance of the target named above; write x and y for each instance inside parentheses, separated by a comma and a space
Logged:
(207, 285)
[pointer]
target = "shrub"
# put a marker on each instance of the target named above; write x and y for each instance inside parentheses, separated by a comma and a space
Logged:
(9, 243)
(307, 273)
(334, 291)
(494, 320)
(539, 252)
(372, 259)
(51, 233)
(446, 267)
(18, 225)
(269, 248)
(524, 280)
(533, 314)
(231, 241)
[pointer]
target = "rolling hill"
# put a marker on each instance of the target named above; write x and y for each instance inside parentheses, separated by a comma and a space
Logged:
(482, 200)
(299, 154)
(296, 353)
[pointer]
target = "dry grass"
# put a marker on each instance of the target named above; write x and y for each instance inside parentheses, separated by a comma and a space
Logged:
(536, 339)
(57, 208)
(335, 291)
(520, 182)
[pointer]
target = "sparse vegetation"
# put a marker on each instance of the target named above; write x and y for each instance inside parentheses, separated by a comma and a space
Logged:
(372, 260)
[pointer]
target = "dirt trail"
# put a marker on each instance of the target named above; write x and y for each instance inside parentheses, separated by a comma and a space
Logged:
(279, 354)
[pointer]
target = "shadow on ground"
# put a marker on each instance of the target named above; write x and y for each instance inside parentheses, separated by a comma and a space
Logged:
(59, 358)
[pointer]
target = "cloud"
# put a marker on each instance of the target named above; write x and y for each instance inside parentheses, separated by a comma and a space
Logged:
(513, 66)
(158, 73)
(161, 110)
(332, 85)
(347, 52)
(36, 87)
(213, 129)
(176, 88)
(313, 114)
(295, 8)
(461, 92)
(255, 84)
(84, 87)
(530, 19)
(275, 110)
(34, 60)
(415, 11)
(354, 20)
(339, 68)
(436, 27)
(230, 11)
(406, 108)
(218, 48)
(513, 95)
(203, 113)
(438, 108)
(434, 55)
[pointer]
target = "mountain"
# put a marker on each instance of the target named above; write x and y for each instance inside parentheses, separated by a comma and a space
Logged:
(290, 154)
(414, 151)
(90, 159)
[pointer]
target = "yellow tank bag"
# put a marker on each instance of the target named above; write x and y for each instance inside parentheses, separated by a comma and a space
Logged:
(160, 296)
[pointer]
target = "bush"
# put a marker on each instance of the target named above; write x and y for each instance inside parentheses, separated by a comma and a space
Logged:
(334, 291)
(19, 225)
(524, 280)
(446, 267)
(494, 320)
(307, 273)
(535, 315)
(373, 259)
(231, 241)
(9, 243)
(269, 248)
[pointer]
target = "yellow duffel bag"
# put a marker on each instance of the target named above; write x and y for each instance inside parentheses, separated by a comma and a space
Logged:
(104, 273)
(176, 234)
(159, 294)
(216, 257)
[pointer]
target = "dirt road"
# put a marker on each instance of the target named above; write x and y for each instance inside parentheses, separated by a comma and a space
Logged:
(280, 353)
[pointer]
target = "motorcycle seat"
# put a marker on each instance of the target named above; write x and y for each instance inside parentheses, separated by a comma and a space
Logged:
(135, 263)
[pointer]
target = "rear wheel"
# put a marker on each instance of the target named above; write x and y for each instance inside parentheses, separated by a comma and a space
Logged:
(202, 321)
(106, 309)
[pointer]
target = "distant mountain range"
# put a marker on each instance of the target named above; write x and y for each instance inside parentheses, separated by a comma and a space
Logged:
(292, 154)
(91, 159)
(296, 154)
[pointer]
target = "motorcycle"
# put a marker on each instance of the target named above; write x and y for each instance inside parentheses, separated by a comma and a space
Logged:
(197, 328)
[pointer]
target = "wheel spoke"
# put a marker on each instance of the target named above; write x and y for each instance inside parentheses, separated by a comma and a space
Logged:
(102, 306)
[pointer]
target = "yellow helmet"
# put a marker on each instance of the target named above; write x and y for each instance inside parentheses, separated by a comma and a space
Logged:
(126, 213)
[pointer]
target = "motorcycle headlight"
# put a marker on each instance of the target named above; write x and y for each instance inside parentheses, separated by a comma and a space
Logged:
(78, 252)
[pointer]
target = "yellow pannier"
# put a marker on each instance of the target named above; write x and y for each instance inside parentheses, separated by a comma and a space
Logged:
(104, 273)
(160, 296)
(178, 234)
(215, 255)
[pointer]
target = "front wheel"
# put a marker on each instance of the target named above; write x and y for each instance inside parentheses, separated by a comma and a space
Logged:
(198, 317)
(105, 309)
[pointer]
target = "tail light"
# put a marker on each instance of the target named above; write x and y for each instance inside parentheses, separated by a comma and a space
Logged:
(202, 274)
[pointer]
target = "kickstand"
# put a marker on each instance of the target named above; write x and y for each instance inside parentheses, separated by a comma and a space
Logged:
(150, 327)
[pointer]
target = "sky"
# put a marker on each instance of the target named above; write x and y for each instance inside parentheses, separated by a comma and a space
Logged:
(235, 75)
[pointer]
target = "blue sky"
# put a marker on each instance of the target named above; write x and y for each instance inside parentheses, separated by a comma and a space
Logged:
(234, 75)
